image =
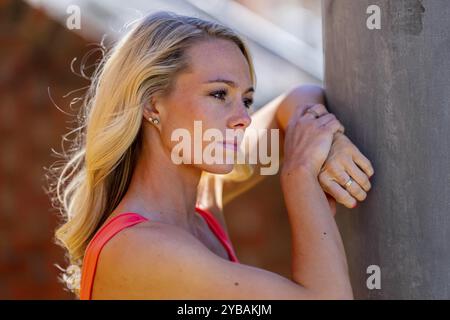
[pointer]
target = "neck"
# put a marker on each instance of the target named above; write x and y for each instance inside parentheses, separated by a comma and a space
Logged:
(159, 187)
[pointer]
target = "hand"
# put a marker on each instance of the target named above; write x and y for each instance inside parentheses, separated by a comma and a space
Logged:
(308, 139)
(345, 160)
(332, 203)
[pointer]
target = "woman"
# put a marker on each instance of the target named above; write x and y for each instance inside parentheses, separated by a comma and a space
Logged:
(133, 225)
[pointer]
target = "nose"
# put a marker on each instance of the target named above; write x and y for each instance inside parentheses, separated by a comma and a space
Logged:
(240, 121)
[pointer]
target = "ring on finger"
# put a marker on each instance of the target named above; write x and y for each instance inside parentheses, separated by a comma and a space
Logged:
(313, 112)
(348, 183)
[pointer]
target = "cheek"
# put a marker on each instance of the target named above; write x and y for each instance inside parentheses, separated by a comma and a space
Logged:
(211, 113)
(183, 115)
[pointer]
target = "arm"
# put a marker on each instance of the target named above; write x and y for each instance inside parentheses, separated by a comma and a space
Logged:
(344, 160)
(161, 261)
(274, 115)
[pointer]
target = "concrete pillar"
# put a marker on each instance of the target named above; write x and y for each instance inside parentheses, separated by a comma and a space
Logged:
(390, 87)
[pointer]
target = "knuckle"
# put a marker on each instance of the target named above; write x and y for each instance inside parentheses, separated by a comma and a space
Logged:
(332, 116)
(324, 179)
(333, 169)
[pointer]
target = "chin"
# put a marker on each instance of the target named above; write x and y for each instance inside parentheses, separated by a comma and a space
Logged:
(218, 168)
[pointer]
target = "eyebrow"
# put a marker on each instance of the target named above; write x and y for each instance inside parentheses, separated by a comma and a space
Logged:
(230, 83)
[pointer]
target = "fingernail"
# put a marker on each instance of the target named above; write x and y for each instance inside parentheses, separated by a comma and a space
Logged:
(356, 204)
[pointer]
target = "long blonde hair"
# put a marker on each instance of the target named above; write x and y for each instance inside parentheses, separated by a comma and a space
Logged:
(94, 174)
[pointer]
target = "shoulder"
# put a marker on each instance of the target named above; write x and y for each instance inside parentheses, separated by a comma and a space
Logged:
(144, 256)
(162, 261)
(148, 239)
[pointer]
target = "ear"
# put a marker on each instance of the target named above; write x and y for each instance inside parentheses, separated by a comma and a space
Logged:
(151, 109)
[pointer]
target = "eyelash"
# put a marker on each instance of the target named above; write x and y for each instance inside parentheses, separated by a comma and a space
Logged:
(248, 102)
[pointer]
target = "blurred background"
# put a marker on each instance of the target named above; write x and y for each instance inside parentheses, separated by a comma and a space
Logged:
(39, 47)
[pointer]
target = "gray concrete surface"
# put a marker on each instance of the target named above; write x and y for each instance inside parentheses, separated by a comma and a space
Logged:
(391, 90)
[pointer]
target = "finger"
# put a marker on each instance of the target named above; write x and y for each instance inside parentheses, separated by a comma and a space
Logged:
(334, 125)
(354, 188)
(305, 108)
(298, 112)
(336, 190)
(319, 109)
(314, 111)
(359, 176)
(356, 191)
(325, 119)
(341, 128)
(363, 163)
(310, 115)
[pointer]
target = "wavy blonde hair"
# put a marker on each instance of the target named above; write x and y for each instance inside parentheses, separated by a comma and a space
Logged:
(94, 174)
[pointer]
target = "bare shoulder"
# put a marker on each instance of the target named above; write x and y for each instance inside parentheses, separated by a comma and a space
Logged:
(162, 261)
(143, 250)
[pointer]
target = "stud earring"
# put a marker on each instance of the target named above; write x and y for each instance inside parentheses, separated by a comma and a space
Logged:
(155, 121)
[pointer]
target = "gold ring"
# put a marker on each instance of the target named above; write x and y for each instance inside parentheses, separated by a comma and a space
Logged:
(349, 182)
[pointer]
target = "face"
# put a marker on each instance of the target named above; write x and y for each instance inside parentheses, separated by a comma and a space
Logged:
(217, 91)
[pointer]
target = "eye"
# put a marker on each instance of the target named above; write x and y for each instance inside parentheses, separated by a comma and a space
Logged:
(248, 103)
(219, 93)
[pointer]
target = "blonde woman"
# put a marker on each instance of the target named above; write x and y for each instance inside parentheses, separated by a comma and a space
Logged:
(138, 226)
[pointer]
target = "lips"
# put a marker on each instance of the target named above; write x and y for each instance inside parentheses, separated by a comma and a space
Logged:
(229, 145)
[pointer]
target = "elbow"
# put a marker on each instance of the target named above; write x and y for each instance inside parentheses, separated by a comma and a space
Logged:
(314, 92)
(343, 295)
(339, 291)
(334, 295)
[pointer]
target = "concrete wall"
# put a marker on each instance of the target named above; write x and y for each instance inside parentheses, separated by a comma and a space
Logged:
(391, 90)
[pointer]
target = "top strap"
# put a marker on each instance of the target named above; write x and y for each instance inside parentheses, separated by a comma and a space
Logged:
(125, 220)
(219, 232)
(94, 248)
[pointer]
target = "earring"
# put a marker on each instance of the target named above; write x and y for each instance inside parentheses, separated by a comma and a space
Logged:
(155, 121)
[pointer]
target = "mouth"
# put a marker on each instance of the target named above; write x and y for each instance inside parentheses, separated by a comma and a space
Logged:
(229, 145)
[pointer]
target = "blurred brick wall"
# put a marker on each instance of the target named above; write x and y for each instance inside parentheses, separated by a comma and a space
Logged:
(35, 53)
(259, 228)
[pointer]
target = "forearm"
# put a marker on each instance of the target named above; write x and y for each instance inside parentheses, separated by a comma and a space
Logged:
(318, 256)
(299, 96)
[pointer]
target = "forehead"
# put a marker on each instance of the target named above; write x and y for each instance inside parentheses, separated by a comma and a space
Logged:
(217, 58)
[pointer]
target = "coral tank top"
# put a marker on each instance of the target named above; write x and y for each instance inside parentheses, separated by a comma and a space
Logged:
(125, 220)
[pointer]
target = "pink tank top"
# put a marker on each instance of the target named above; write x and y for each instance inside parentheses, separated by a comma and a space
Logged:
(125, 220)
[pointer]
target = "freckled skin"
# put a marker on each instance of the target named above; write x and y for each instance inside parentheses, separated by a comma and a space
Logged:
(158, 185)
(191, 99)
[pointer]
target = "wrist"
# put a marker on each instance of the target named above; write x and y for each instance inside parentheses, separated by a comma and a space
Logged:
(302, 172)
(338, 135)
